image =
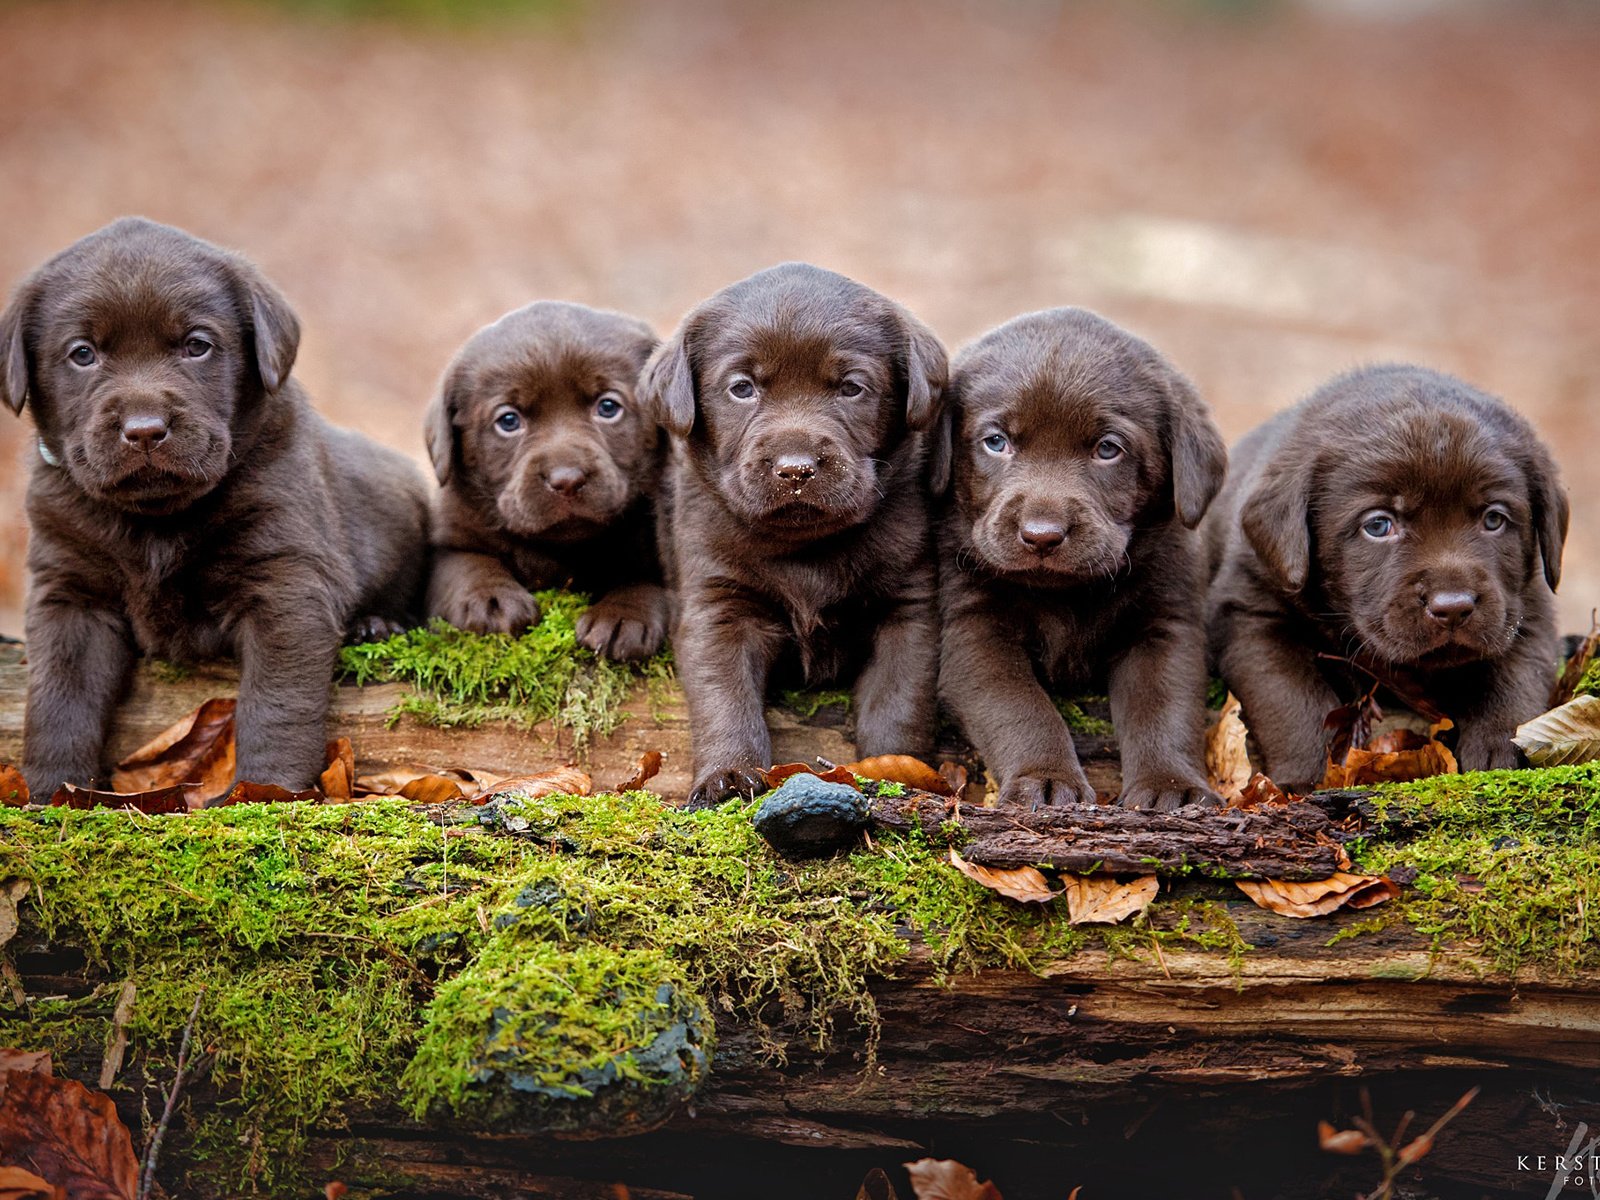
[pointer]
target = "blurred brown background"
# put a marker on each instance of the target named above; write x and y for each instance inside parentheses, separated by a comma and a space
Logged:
(1270, 192)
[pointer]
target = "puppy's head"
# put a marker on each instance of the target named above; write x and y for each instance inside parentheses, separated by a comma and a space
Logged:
(1418, 509)
(536, 422)
(143, 352)
(1069, 435)
(794, 390)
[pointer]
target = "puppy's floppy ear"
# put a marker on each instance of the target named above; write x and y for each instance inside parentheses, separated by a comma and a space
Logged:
(14, 350)
(439, 427)
(927, 372)
(1199, 456)
(1276, 518)
(274, 329)
(1550, 512)
(666, 385)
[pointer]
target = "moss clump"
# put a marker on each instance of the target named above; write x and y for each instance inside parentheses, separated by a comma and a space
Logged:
(809, 702)
(1080, 721)
(1508, 859)
(542, 674)
(1589, 681)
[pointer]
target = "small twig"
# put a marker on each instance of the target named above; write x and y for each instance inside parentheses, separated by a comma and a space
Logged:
(146, 1183)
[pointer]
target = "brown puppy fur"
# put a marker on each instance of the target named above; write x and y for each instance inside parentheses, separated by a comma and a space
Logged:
(794, 516)
(548, 469)
(200, 506)
(1081, 463)
(1401, 519)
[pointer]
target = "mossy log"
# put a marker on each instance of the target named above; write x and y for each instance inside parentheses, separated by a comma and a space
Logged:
(549, 997)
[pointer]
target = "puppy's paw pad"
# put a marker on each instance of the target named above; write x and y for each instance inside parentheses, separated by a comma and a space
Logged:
(372, 628)
(501, 611)
(1167, 795)
(717, 786)
(622, 639)
(1043, 791)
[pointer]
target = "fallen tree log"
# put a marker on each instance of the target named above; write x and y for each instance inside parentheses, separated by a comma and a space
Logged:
(379, 975)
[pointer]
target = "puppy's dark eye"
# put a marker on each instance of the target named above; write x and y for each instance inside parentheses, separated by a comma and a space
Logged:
(1496, 519)
(1109, 449)
(507, 420)
(196, 346)
(608, 407)
(850, 389)
(83, 355)
(742, 389)
(1379, 526)
(997, 443)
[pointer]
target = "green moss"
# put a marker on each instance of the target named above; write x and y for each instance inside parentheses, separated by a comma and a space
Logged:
(1079, 721)
(1589, 681)
(1509, 860)
(809, 702)
(163, 671)
(542, 674)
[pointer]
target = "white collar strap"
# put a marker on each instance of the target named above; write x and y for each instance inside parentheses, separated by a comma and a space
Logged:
(50, 460)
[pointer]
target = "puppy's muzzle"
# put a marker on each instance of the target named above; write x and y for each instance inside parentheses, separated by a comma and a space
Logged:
(1450, 610)
(1042, 536)
(145, 432)
(565, 481)
(796, 469)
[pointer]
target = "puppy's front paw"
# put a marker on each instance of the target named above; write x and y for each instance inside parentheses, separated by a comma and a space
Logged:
(1036, 791)
(1486, 751)
(372, 628)
(500, 608)
(1166, 793)
(625, 626)
(725, 783)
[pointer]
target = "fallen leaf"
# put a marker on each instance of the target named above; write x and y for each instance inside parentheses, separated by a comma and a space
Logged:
(901, 768)
(1105, 900)
(1341, 1141)
(562, 781)
(117, 1036)
(1227, 757)
(174, 799)
(945, 1179)
(955, 776)
(1025, 884)
(649, 768)
(245, 792)
(11, 893)
(37, 1061)
(334, 1191)
(18, 1184)
(338, 780)
(1319, 897)
(775, 775)
(71, 1135)
(876, 1186)
(1394, 757)
(197, 750)
(1563, 736)
(1572, 670)
(13, 787)
(1349, 726)
(1258, 791)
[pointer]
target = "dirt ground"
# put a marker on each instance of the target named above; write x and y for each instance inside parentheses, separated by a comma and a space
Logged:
(1269, 192)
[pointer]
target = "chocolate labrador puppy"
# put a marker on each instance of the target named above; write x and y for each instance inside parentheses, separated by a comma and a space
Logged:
(187, 501)
(1399, 525)
(794, 517)
(548, 469)
(1082, 461)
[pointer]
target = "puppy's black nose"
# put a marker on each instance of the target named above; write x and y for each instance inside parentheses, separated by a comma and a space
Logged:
(1041, 536)
(794, 469)
(144, 433)
(1451, 608)
(566, 481)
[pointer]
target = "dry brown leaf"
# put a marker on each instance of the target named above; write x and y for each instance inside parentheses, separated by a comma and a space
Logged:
(117, 1036)
(18, 1184)
(649, 768)
(338, 780)
(955, 776)
(1341, 1141)
(945, 1179)
(876, 1186)
(1258, 791)
(901, 768)
(1227, 757)
(13, 787)
(1393, 758)
(266, 793)
(423, 784)
(1563, 736)
(198, 750)
(37, 1061)
(334, 1191)
(1024, 884)
(1320, 897)
(1105, 899)
(561, 781)
(775, 775)
(174, 799)
(1572, 671)
(71, 1135)
(11, 893)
